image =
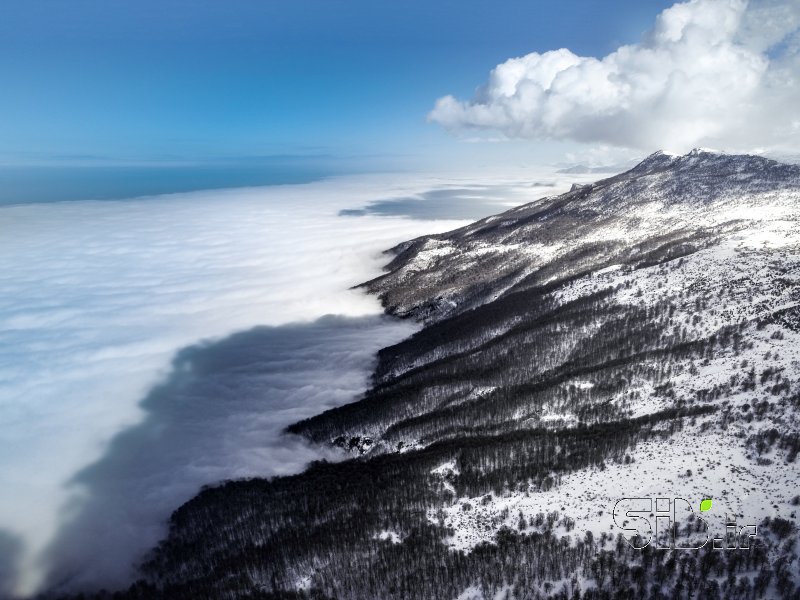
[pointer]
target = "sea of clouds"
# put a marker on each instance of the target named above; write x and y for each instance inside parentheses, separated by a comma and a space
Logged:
(151, 346)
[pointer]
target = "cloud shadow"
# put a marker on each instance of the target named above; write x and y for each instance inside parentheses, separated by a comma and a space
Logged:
(219, 414)
(467, 202)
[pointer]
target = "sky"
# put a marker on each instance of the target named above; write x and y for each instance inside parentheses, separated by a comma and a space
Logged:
(100, 300)
(348, 84)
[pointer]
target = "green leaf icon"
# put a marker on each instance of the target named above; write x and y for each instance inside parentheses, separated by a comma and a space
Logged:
(705, 504)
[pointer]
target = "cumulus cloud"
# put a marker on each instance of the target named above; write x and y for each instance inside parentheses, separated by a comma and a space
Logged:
(722, 73)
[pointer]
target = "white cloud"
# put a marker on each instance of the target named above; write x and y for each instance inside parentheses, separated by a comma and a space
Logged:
(103, 429)
(720, 73)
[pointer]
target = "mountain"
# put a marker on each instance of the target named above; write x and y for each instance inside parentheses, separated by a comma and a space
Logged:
(633, 338)
(662, 200)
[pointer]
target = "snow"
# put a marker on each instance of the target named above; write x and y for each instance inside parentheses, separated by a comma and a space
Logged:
(474, 593)
(721, 470)
(739, 237)
(471, 593)
(389, 536)
(447, 468)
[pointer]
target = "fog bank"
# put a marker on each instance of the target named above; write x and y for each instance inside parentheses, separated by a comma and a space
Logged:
(96, 299)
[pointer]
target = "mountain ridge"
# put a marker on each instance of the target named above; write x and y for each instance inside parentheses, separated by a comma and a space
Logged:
(753, 176)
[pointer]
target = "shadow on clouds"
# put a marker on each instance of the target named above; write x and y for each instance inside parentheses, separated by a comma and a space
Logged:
(10, 553)
(219, 414)
(469, 202)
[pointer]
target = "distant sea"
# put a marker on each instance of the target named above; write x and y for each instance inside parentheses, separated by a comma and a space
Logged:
(37, 184)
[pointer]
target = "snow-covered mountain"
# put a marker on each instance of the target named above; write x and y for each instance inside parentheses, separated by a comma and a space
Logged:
(638, 337)
(663, 202)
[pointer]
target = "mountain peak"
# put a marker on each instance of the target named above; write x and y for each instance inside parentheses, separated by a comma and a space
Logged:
(701, 151)
(656, 160)
(713, 162)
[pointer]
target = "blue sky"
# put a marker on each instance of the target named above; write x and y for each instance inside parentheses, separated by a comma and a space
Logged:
(208, 81)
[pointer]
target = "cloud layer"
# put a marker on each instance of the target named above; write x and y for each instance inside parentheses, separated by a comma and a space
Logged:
(722, 73)
(95, 300)
(154, 345)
